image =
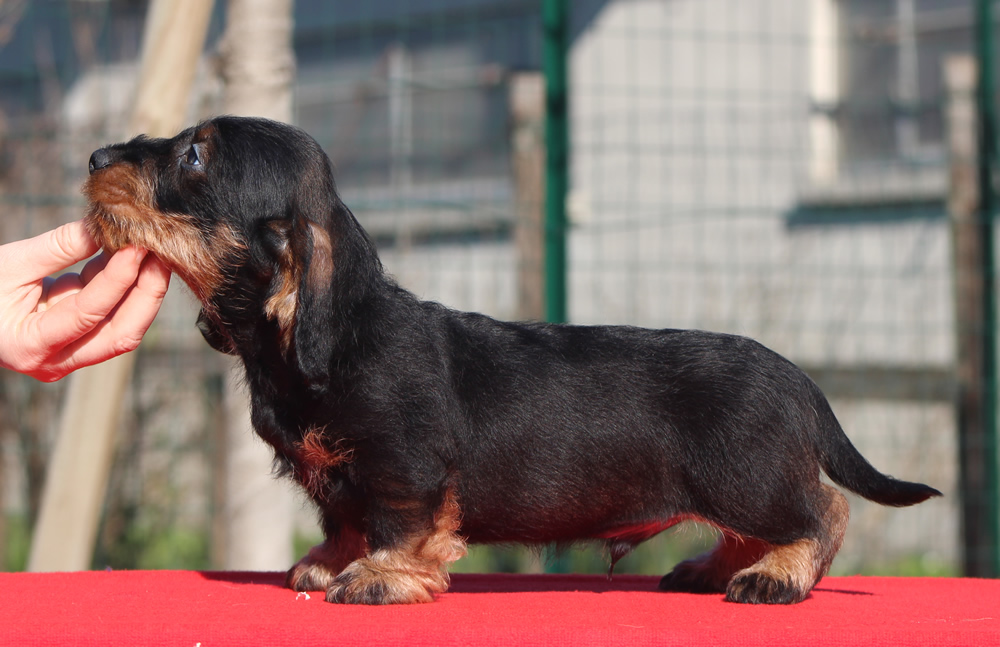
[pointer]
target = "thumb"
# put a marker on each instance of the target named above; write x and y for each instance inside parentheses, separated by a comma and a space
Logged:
(53, 251)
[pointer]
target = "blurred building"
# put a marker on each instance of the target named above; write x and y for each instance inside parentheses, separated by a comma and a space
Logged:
(775, 168)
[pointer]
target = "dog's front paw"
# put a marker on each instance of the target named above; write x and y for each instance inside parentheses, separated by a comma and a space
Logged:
(317, 570)
(371, 581)
(309, 574)
(753, 587)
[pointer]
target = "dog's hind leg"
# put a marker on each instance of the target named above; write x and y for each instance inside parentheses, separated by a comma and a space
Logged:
(755, 571)
(786, 573)
(711, 571)
(411, 571)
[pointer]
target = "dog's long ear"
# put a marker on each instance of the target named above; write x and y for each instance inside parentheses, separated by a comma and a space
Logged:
(313, 331)
(300, 300)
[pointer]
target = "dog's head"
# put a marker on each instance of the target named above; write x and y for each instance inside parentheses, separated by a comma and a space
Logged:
(245, 211)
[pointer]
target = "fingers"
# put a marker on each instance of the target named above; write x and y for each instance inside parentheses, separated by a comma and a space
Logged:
(123, 329)
(55, 290)
(154, 276)
(51, 252)
(136, 311)
(94, 266)
(50, 327)
(75, 315)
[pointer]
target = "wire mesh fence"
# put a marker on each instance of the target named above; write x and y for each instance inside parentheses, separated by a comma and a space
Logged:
(773, 168)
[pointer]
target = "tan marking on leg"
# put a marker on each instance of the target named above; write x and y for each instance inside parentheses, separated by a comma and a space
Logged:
(786, 574)
(408, 574)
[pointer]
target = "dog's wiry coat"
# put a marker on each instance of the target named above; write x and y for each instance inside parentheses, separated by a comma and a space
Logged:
(415, 427)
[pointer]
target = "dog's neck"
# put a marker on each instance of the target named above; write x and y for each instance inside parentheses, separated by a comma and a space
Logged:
(322, 363)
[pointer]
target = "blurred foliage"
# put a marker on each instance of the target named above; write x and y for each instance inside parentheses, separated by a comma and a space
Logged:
(147, 542)
(16, 543)
(916, 565)
(655, 557)
(146, 546)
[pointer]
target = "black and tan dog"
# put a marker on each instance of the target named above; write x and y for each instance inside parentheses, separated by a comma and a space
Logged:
(416, 428)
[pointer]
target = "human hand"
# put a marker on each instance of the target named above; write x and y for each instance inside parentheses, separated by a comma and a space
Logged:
(51, 327)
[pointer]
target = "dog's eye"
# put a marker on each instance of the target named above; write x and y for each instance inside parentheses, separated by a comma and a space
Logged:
(191, 158)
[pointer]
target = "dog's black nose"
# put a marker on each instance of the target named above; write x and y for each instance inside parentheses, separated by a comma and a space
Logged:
(101, 158)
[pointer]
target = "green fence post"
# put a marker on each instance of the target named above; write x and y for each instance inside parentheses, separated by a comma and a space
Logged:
(555, 19)
(988, 165)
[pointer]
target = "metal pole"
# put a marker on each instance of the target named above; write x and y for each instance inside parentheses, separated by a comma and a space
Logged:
(527, 108)
(965, 212)
(986, 96)
(555, 19)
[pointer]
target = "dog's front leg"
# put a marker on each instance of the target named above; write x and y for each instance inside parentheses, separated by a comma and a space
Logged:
(407, 569)
(317, 570)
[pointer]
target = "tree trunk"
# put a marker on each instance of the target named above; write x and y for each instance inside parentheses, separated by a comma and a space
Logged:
(258, 69)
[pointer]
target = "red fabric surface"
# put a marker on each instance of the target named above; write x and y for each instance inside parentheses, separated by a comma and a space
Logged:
(221, 609)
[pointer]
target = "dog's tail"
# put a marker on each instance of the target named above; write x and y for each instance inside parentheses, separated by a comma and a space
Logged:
(843, 463)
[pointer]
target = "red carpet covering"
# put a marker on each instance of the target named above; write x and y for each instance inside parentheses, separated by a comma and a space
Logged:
(190, 609)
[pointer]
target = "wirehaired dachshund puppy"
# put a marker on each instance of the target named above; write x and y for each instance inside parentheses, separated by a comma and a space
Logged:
(416, 428)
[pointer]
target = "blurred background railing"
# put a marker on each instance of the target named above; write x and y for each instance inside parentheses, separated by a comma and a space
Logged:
(805, 172)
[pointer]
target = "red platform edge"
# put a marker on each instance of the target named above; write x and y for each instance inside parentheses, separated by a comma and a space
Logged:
(208, 609)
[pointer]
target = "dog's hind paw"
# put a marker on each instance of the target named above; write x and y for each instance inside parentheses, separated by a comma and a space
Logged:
(752, 587)
(712, 571)
(692, 576)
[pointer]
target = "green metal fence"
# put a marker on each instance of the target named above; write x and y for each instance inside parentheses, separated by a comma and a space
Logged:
(712, 141)
(981, 524)
(784, 169)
